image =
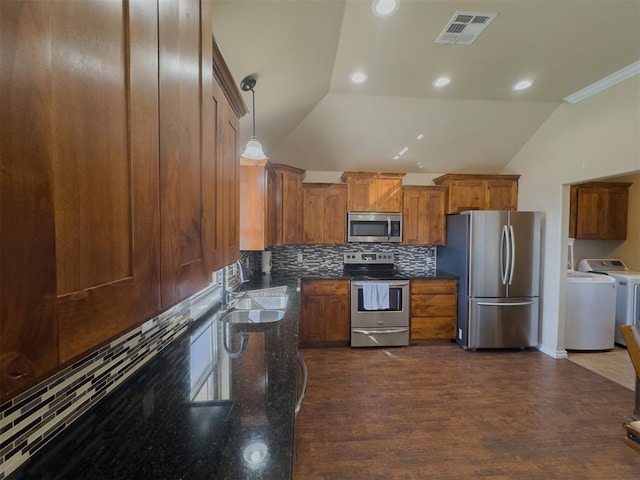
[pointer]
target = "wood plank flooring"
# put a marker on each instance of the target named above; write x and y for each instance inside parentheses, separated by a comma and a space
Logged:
(439, 412)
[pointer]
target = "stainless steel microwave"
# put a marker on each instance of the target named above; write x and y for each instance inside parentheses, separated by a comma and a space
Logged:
(374, 227)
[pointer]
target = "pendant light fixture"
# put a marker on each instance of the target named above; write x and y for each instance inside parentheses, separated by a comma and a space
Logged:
(253, 150)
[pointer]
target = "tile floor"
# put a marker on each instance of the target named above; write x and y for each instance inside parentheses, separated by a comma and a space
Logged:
(614, 365)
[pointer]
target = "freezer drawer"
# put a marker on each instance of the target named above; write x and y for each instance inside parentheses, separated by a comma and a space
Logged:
(502, 323)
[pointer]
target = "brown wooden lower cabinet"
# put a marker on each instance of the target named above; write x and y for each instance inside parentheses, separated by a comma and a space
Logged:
(324, 314)
(433, 309)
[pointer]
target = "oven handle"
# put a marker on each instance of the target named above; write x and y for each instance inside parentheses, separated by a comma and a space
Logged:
(392, 283)
(369, 331)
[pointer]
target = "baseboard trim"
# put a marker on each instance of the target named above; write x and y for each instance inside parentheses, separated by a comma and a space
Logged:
(557, 354)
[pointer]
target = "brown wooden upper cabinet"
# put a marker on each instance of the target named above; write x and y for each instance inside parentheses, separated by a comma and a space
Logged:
(324, 213)
(423, 215)
(108, 200)
(373, 192)
(598, 210)
(257, 204)
(480, 192)
(288, 204)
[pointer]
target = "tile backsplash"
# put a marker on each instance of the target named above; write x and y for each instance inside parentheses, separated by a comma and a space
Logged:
(410, 260)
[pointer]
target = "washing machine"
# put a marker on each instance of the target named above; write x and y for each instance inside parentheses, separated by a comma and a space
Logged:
(590, 311)
(627, 290)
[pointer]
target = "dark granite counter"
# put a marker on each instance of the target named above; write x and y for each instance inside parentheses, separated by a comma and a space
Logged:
(218, 403)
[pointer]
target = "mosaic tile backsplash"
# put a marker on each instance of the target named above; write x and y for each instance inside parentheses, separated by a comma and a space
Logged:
(409, 260)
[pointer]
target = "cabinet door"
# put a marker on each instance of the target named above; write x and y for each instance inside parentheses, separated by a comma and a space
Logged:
(291, 208)
(466, 195)
(227, 185)
(412, 218)
(388, 192)
(337, 323)
(324, 214)
(313, 221)
(79, 233)
(590, 212)
(335, 215)
(361, 196)
(183, 164)
(617, 212)
(424, 216)
(501, 195)
(312, 320)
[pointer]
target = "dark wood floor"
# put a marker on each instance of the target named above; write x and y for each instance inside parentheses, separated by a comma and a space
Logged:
(438, 412)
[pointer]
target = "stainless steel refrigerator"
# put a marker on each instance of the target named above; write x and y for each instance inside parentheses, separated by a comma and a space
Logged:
(496, 255)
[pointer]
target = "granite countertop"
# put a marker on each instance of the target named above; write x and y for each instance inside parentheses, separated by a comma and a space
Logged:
(203, 408)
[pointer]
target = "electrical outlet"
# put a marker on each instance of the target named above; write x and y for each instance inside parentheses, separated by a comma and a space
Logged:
(459, 334)
(299, 257)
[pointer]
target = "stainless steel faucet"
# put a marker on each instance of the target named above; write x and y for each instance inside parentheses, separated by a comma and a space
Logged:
(227, 294)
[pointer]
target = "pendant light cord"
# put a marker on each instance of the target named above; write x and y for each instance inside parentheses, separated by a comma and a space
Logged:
(253, 96)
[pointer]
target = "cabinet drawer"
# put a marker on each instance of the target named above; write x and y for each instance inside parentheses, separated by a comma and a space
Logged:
(430, 328)
(327, 287)
(433, 305)
(434, 286)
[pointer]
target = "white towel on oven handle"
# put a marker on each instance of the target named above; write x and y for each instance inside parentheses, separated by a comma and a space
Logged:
(375, 296)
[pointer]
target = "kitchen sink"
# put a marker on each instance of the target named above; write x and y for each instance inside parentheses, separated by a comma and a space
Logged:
(253, 316)
(278, 302)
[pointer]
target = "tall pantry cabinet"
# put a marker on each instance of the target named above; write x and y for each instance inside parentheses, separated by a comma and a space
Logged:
(108, 173)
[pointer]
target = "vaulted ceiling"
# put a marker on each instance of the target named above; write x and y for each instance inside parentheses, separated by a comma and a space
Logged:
(309, 115)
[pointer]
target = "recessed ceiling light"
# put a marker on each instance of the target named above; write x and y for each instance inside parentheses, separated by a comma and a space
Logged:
(396, 157)
(358, 77)
(384, 8)
(403, 151)
(419, 164)
(441, 82)
(522, 85)
(420, 137)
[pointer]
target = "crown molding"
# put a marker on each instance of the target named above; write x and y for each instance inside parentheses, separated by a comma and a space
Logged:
(608, 81)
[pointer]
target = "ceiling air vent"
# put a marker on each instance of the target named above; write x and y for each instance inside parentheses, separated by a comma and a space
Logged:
(465, 27)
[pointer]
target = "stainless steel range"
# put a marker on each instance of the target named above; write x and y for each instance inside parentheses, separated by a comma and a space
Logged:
(379, 300)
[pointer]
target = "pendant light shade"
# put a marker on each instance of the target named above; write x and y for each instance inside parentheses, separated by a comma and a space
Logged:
(253, 150)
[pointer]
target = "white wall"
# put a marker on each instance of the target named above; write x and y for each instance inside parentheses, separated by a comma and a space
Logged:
(594, 139)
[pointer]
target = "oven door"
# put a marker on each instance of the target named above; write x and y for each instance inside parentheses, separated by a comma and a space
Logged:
(397, 315)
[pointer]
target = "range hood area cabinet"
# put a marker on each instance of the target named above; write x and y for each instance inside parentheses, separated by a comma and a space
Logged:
(599, 210)
(373, 191)
(324, 213)
(480, 192)
(105, 217)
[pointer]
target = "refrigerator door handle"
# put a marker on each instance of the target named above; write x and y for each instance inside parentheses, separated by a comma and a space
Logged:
(504, 266)
(513, 252)
(504, 304)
